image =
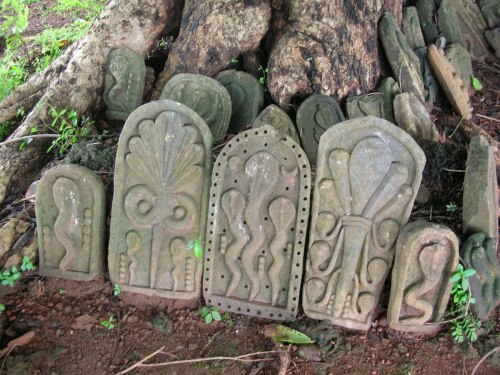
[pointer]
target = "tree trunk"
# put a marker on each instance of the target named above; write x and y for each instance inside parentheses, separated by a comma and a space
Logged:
(329, 47)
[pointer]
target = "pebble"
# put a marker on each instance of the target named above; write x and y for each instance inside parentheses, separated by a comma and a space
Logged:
(192, 347)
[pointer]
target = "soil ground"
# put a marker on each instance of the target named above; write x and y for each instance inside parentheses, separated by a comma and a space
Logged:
(69, 338)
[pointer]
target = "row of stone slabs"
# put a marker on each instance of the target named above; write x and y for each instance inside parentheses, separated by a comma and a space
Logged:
(254, 212)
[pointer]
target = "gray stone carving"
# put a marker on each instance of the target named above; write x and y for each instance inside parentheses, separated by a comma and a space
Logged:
(426, 257)
(404, 63)
(373, 104)
(473, 26)
(315, 115)
(367, 177)
(258, 214)
(70, 215)
(480, 253)
(427, 11)
(123, 83)
(449, 24)
(459, 57)
(274, 116)
(247, 97)
(162, 177)
(410, 27)
(493, 38)
(431, 86)
(480, 198)
(206, 96)
(412, 117)
(491, 12)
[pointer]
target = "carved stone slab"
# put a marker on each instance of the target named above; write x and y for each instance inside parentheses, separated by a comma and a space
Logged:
(480, 253)
(473, 25)
(274, 116)
(369, 105)
(70, 216)
(427, 10)
(449, 24)
(404, 63)
(258, 214)
(367, 177)
(480, 198)
(459, 57)
(491, 12)
(493, 38)
(162, 177)
(315, 115)
(426, 257)
(412, 117)
(206, 96)
(123, 83)
(247, 97)
(410, 27)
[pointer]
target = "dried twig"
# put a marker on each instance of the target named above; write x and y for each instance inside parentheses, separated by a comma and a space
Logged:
(488, 117)
(484, 358)
(29, 137)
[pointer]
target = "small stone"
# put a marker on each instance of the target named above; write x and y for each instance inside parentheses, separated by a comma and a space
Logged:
(192, 347)
(310, 352)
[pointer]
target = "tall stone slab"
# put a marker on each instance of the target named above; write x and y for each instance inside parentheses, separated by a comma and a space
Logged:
(479, 252)
(472, 25)
(70, 216)
(491, 12)
(410, 27)
(480, 198)
(274, 116)
(316, 115)
(206, 96)
(367, 177)
(162, 177)
(123, 83)
(258, 214)
(247, 97)
(426, 258)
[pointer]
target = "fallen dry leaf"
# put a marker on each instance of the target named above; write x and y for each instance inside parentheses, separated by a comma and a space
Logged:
(84, 322)
(20, 341)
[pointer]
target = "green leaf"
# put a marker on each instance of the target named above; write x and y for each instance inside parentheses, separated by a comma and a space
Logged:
(455, 277)
(281, 333)
(216, 316)
(209, 318)
(472, 300)
(476, 84)
(465, 283)
(469, 272)
(2, 307)
(204, 311)
(198, 250)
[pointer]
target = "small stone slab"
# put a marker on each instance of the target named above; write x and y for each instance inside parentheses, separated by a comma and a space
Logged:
(274, 116)
(258, 214)
(410, 27)
(206, 96)
(247, 97)
(316, 115)
(491, 12)
(367, 178)
(473, 27)
(373, 104)
(479, 252)
(404, 63)
(450, 81)
(431, 85)
(427, 9)
(412, 117)
(493, 38)
(70, 216)
(449, 24)
(123, 83)
(162, 177)
(426, 258)
(480, 198)
(459, 57)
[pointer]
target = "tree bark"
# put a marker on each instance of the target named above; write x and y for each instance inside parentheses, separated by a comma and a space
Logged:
(329, 47)
(76, 79)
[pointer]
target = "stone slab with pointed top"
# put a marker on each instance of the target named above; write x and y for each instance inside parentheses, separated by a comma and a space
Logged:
(472, 25)
(373, 104)
(258, 214)
(206, 96)
(70, 214)
(480, 198)
(367, 177)
(479, 252)
(459, 57)
(412, 117)
(274, 116)
(410, 27)
(426, 258)
(404, 63)
(315, 115)
(247, 97)
(162, 177)
(123, 83)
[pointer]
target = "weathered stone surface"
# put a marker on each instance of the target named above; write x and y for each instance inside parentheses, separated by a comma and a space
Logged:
(431, 85)
(473, 26)
(412, 117)
(410, 27)
(426, 257)
(259, 208)
(459, 57)
(493, 38)
(450, 81)
(274, 116)
(427, 10)
(162, 177)
(315, 115)
(10, 232)
(491, 12)
(206, 96)
(480, 198)
(373, 104)
(70, 217)
(480, 253)
(367, 177)
(123, 83)
(449, 24)
(247, 97)
(404, 63)
(30, 251)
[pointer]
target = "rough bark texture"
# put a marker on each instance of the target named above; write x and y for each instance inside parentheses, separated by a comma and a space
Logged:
(76, 79)
(329, 47)
(212, 32)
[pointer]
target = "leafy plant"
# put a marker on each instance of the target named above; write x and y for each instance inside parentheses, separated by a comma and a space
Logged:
(66, 124)
(210, 313)
(281, 333)
(27, 265)
(452, 207)
(10, 276)
(476, 84)
(62, 291)
(467, 323)
(116, 289)
(197, 246)
(263, 76)
(2, 307)
(108, 323)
